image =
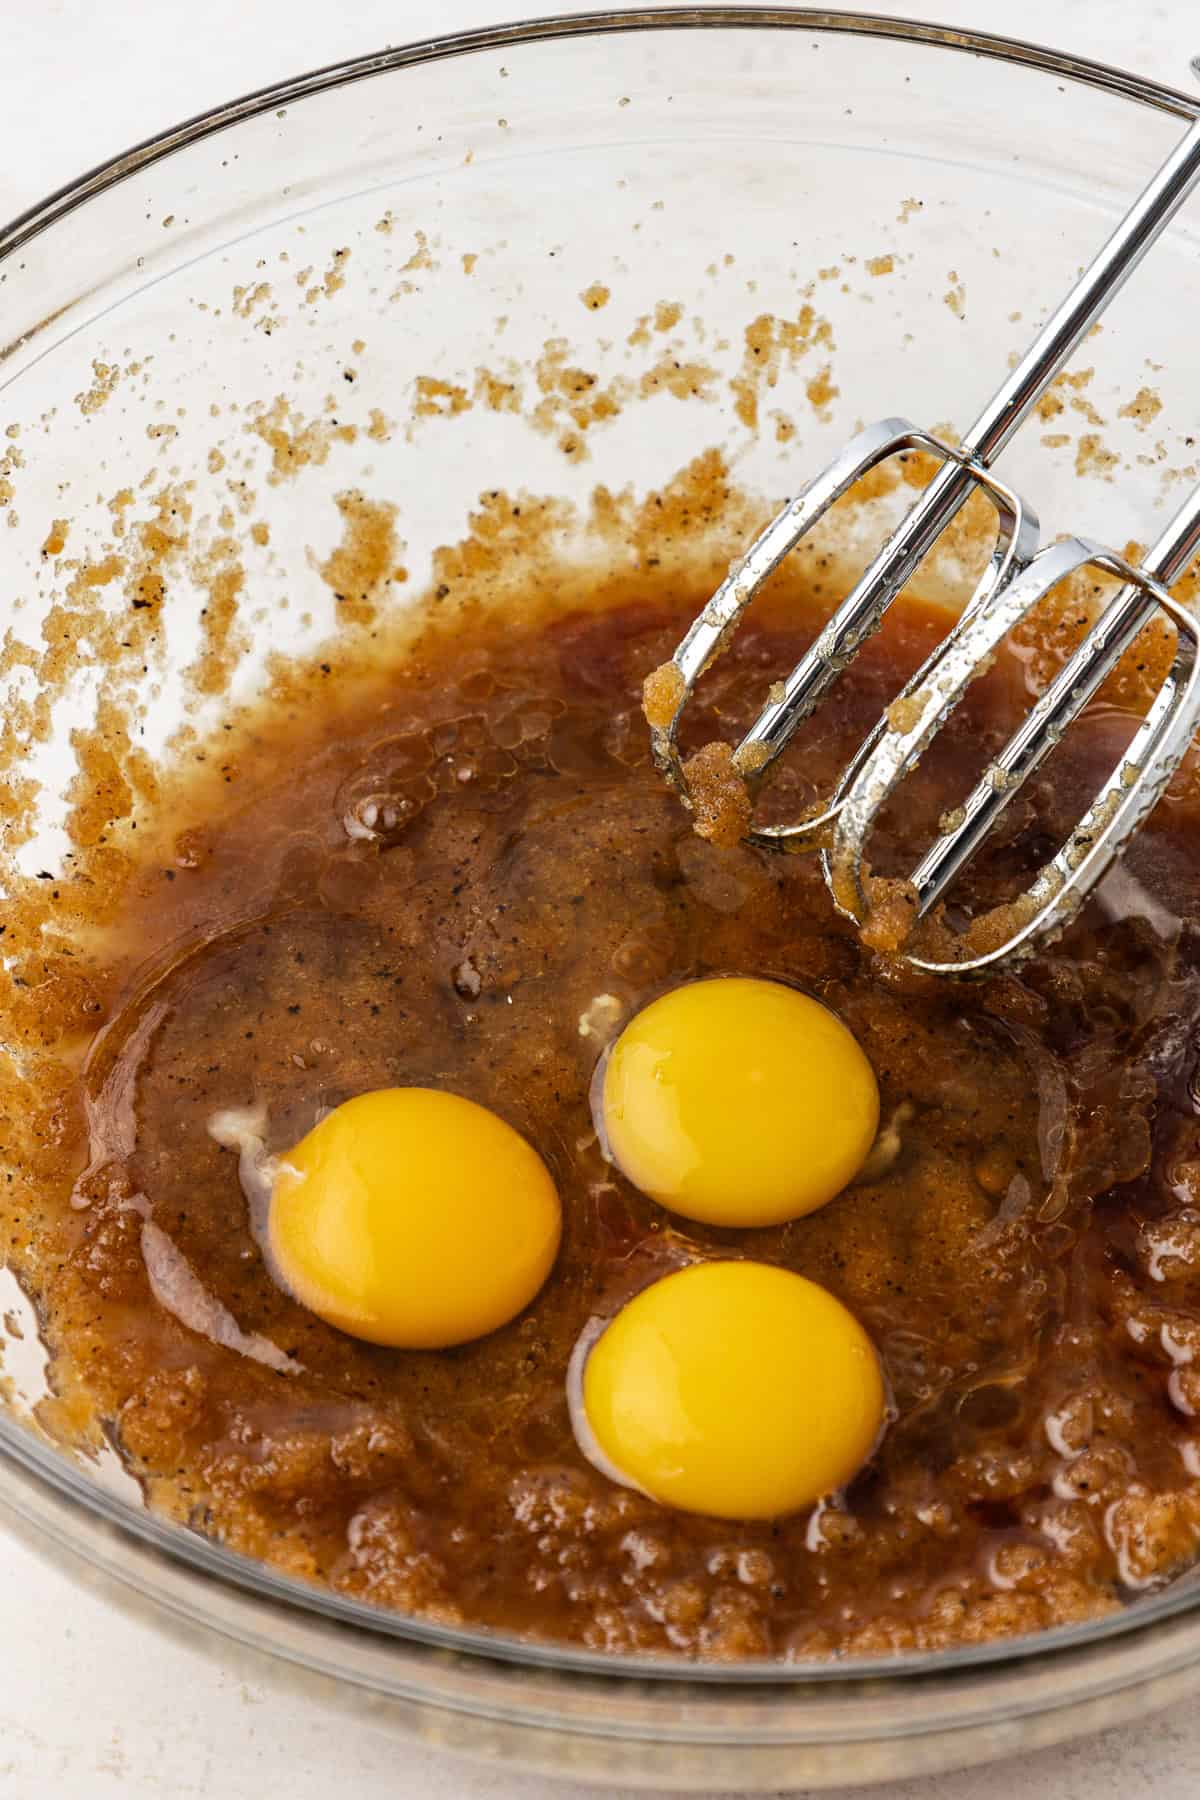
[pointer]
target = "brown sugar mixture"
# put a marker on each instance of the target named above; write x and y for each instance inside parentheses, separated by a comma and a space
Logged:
(465, 873)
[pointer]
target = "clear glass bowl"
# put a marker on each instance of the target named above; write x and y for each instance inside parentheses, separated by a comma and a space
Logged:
(719, 158)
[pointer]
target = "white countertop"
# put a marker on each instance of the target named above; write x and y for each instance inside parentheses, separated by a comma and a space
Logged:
(91, 1705)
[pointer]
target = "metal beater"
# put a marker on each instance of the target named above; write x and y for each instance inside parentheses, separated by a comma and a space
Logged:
(1017, 577)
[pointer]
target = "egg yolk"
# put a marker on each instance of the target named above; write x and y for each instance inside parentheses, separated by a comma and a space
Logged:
(413, 1218)
(738, 1102)
(735, 1389)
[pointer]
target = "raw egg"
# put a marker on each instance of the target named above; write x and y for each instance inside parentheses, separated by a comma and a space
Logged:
(732, 1388)
(413, 1218)
(737, 1101)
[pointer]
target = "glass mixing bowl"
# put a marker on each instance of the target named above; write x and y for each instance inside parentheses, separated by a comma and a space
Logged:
(930, 193)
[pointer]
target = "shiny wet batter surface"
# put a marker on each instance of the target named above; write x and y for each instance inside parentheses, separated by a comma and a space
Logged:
(468, 876)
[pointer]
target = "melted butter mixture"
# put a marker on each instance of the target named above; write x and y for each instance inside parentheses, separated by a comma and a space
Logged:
(464, 874)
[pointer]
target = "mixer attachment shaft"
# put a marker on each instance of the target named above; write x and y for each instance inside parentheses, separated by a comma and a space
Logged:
(1013, 581)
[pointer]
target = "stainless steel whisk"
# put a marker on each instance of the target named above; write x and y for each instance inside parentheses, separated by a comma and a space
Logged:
(1017, 578)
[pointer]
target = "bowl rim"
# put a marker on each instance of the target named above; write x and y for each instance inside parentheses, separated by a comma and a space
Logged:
(1083, 70)
(31, 1464)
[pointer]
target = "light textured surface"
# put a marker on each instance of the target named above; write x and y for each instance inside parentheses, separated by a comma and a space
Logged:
(90, 1705)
